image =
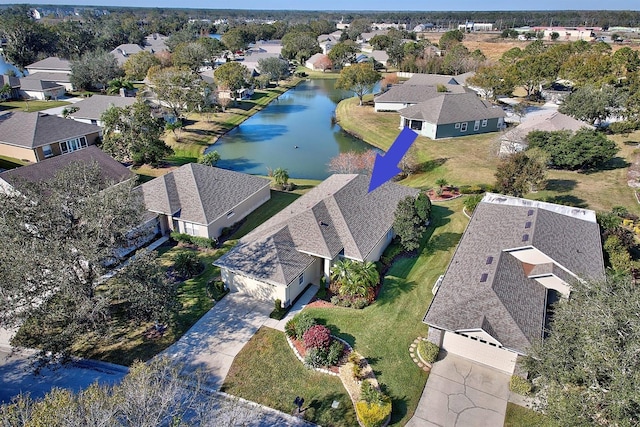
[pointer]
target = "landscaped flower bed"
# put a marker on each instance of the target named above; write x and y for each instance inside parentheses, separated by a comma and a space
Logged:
(444, 193)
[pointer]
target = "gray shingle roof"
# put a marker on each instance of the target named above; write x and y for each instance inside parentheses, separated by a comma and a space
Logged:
(46, 169)
(51, 77)
(432, 80)
(13, 82)
(508, 299)
(93, 107)
(449, 108)
(124, 51)
(414, 94)
(339, 214)
(548, 121)
(51, 63)
(38, 85)
(199, 194)
(32, 130)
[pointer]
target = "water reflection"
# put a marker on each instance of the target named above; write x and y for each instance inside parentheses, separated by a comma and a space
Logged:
(294, 132)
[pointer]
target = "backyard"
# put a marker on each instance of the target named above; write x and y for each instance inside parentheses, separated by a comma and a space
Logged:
(473, 160)
(30, 106)
(381, 332)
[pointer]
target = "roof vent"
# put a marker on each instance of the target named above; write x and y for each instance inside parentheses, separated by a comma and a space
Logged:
(484, 277)
(322, 223)
(527, 224)
(530, 213)
(525, 237)
(489, 260)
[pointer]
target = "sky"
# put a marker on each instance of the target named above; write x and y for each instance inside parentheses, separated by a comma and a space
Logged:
(356, 5)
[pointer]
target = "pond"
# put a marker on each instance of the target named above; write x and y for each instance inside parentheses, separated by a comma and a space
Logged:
(5, 66)
(295, 132)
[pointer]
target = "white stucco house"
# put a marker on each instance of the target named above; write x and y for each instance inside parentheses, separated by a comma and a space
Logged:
(337, 219)
(515, 258)
(201, 200)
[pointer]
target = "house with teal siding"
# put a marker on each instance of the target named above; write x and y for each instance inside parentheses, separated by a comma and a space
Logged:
(452, 114)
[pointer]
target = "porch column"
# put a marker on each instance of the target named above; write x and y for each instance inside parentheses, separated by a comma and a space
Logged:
(327, 269)
(401, 122)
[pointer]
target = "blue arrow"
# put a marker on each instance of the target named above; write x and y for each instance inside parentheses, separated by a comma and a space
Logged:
(386, 167)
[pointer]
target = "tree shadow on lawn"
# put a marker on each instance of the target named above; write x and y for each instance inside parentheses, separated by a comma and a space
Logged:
(431, 165)
(613, 164)
(393, 287)
(442, 242)
(322, 413)
(561, 185)
(567, 200)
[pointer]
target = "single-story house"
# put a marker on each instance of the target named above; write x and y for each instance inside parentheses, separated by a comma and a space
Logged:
(201, 200)
(380, 56)
(313, 63)
(36, 136)
(515, 258)
(51, 64)
(550, 121)
(90, 110)
(405, 95)
(40, 89)
(269, 46)
(61, 79)
(365, 37)
(433, 79)
(13, 83)
(337, 219)
(251, 60)
(450, 115)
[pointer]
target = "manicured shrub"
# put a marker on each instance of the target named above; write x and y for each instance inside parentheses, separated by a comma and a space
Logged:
(316, 358)
(344, 302)
(216, 289)
(277, 304)
(520, 385)
(187, 264)
(392, 251)
(335, 300)
(336, 348)
(624, 127)
(203, 242)
(290, 328)
(357, 371)
(303, 323)
(428, 351)
(317, 336)
(180, 237)
(370, 394)
(471, 202)
(374, 414)
(359, 303)
(353, 358)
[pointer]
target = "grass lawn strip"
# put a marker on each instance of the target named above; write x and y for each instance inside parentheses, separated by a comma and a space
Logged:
(31, 106)
(382, 332)
(472, 160)
(519, 416)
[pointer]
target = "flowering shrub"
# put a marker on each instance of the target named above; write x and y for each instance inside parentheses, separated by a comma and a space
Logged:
(317, 336)
(373, 414)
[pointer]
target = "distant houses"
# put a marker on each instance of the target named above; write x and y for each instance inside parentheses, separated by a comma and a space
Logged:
(90, 110)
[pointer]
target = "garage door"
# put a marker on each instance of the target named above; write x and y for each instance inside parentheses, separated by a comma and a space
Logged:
(486, 354)
(248, 286)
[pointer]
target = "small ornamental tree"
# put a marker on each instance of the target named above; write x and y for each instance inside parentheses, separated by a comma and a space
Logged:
(317, 336)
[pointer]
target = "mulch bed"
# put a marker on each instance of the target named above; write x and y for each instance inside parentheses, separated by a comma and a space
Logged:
(299, 345)
(448, 193)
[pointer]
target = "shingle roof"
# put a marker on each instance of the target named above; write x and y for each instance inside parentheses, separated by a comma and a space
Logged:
(452, 108)
(432, 80)
(38, 85)
(315, 58)
(13, 82)
(339, 214)
(485, 282)
(46, 169)
(124, 51)
(93, 107)
(548, 121)
(51, 77)
(51, 63)
(32, 130)
(414, 94)
(199, 194)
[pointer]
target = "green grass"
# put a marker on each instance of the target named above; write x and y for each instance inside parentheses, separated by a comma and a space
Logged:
(279, 200)
(519, 416)
(381, 332)
(314, 74)
(31, 106)
(473, 159)
(11, 163)
(267, 371)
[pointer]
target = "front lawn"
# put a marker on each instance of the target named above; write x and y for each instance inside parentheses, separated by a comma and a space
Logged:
(31, 106)
(519, 416)
(381, 332)
(267, 371)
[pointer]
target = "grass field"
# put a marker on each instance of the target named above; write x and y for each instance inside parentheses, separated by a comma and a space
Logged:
(381, 332)
(31, 106)
(473, 160)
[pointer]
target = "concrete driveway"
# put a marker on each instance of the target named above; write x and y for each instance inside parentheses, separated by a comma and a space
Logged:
(460, 392)
(213, 342)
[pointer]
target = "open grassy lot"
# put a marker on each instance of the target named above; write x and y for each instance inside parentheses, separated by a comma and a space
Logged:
(382, 332)
(473, 160)
(31, 106)
(518, 416)
(267, 371)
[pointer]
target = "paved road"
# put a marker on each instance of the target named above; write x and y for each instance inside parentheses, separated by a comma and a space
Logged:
(460, 392)
(16, 375)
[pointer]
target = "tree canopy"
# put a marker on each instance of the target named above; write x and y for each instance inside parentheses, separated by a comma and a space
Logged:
(181, 89)
(275, 68)
(232, 75)
(94, 70)
(131, 133)
(591, 104)
(300, 45)
(588, 368)
(519, 173)
(359, 79)
(343, 53)
(138, 65)
(408, 223)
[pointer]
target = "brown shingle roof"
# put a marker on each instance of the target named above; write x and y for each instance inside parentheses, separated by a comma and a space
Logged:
(478, 290)
(47, 169)
(199, 193)
(339, 214)
(32, 130)
(449, 108)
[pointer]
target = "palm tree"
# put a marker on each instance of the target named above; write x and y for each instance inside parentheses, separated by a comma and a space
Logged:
(210, 158)
(281, 176)
(116, 84)
(354, 278)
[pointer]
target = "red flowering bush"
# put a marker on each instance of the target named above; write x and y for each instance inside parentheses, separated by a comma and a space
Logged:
(317, 336)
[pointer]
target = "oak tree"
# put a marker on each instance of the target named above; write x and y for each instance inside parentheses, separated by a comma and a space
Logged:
(359, 79)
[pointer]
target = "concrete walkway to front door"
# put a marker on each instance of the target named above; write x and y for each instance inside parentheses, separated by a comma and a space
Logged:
(461, 392)
(215, 340)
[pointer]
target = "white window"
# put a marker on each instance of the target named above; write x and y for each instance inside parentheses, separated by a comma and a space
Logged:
(47, 151)
(301, 279)
(457, 125)
(73, 145)
(463, 127)
(191, 229)
(484, 123)
(476, 125)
